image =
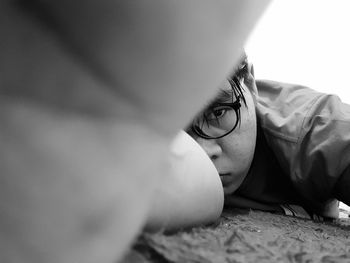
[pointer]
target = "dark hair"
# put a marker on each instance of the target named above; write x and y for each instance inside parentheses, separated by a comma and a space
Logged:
(239, 74)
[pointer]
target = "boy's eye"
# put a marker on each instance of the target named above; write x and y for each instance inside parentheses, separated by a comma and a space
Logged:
(217, 112)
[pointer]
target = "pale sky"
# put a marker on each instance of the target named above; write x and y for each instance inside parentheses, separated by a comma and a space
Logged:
(305, 42)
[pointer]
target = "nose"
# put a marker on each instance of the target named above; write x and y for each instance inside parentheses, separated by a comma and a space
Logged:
(211, 147)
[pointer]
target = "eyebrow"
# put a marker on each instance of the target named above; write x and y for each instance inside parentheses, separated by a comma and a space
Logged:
(224, 94)
(222, 97)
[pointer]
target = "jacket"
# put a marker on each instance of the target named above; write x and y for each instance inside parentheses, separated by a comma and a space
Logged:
(302, 150)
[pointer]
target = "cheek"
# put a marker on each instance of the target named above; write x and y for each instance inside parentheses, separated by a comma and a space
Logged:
(239, 148)
(246, 134)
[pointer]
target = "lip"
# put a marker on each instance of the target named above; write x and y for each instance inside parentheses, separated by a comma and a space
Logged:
(226, 178)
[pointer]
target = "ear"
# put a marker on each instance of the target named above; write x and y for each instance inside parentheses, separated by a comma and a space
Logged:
(250, 83)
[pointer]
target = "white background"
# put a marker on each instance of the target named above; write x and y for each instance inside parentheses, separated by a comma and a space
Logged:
(304, 42)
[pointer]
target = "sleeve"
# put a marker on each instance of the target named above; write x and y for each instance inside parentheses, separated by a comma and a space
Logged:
(310, 135)
(322, 156)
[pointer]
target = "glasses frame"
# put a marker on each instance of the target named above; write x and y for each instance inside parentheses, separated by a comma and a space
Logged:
(236, 105)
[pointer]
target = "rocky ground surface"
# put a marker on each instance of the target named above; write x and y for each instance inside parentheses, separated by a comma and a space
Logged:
(248, 236)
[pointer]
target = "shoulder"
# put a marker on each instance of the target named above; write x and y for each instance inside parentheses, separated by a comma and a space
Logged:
(309, 133)
(283, 107)
(285, 96)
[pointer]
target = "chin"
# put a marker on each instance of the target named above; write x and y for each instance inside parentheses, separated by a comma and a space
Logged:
(230, 189)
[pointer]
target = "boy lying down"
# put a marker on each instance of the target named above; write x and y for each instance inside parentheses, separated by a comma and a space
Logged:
(276, 147)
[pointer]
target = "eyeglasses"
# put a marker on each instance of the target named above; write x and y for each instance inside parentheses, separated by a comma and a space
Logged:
(218, 120)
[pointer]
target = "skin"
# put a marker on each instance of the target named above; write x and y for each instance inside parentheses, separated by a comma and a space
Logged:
(181, 201)
(232, 155)
(87, 92)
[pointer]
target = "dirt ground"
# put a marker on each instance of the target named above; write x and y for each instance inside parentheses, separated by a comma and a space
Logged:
(248, 236)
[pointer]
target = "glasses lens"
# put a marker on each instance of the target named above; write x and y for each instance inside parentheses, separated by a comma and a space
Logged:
(216, 121)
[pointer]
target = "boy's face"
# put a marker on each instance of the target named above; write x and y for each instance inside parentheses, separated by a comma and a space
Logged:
(232, 154)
